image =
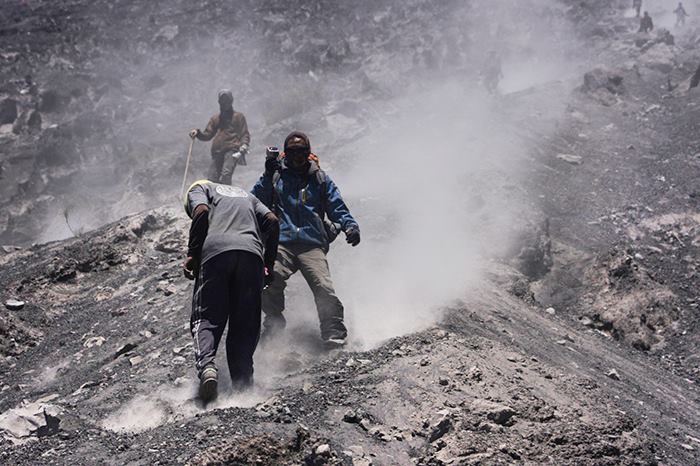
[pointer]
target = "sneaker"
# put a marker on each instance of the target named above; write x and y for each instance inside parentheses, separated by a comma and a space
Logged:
(208, 382)
(334, 342)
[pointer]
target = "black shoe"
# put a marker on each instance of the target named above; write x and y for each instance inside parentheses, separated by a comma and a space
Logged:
(208, 383)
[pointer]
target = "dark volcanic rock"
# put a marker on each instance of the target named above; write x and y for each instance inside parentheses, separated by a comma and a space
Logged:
(16, 336)
(496, 412)
(52, 101)
(534, 259)
(264, 450)
(603, 85)
(51, 426)
(27, 122)
(8, 111)
(604, 78)
(539, 408)
(440, 429)
(695, 80)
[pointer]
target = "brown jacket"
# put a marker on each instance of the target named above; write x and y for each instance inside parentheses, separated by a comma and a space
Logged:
(229, 133)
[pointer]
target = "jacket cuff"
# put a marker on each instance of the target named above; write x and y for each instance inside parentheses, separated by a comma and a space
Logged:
(351, 225)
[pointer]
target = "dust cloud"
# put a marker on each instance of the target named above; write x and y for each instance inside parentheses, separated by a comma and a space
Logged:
(433, 174)
(138, 415)
(429, 161)
(435, 182)
(168, 404)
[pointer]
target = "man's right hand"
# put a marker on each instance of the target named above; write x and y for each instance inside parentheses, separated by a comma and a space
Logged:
(269, 277)
(271, 166)
(194, 133)
(190, 268)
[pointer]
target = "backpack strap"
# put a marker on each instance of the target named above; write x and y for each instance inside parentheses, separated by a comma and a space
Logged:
(332, 229)
(322, 180)
(275, 197)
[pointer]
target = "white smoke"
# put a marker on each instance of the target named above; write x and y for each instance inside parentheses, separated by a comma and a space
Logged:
(433, 173)
(436, 185)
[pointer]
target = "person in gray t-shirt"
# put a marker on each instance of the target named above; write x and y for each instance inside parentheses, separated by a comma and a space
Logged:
(231, 253)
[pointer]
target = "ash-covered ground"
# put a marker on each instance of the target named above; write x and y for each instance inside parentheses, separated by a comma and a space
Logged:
(525, 292)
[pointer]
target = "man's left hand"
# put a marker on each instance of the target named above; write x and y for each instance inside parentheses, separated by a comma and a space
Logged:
(352, 236)
(190, 268)
(243, 149)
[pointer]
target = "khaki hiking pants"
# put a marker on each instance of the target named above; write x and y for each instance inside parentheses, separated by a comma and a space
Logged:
(222, 167)
(311, 261)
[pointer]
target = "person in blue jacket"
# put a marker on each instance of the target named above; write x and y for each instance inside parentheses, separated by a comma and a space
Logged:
(307, 203)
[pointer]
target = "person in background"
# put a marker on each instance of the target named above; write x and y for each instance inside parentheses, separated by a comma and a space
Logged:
(681, 14)
(637, 5)
(229, 130)
(645, 23)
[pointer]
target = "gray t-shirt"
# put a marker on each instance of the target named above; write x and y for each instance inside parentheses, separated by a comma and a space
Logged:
(234, 218)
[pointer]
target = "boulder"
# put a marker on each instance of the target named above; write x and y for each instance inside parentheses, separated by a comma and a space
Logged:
(52, 101)
(640, 42)
(695, 80)
(603, 85)
(570, 158)
(534, 259)
(14, 304)
(495, 412)
(167, 33)
(661, 58)
(8, 111)
(36, 419)
(439, 429)
(28, 121)
(34, 121)
(664, 36)
(603, 78)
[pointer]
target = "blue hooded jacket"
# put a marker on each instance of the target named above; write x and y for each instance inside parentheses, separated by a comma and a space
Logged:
(300, 201)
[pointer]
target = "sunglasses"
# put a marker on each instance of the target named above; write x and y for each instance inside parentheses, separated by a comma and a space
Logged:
(297, 152)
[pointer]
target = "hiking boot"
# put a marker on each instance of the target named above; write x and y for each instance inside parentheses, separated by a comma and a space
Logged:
(208, 382)
(334, 342)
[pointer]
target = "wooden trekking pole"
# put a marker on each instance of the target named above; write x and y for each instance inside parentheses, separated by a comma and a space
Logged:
(187, 167)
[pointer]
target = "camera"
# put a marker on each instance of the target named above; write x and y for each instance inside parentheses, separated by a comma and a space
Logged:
(272, 152)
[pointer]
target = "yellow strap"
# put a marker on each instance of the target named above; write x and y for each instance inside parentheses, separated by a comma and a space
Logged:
(187, 204)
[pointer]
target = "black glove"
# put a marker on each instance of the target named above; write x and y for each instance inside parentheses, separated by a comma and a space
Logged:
(190, 268)
(271, 166)
(352, 236)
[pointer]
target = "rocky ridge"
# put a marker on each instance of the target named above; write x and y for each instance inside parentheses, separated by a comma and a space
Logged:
(579, 348)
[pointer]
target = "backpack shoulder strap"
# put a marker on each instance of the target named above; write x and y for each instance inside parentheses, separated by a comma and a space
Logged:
(321, 176)
(322, 180)
(275, 196)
